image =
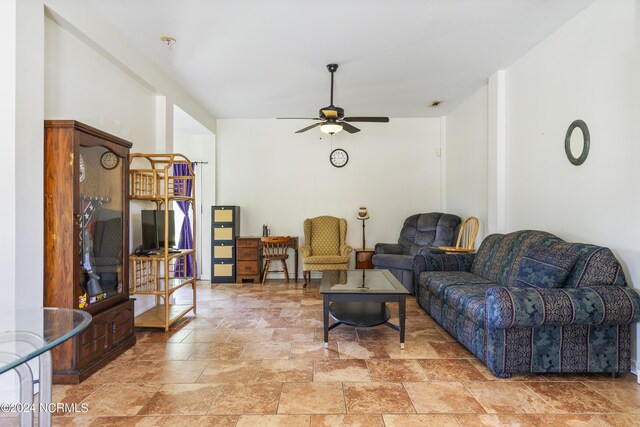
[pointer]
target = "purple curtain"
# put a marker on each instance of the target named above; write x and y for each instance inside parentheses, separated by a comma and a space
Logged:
(182, 187)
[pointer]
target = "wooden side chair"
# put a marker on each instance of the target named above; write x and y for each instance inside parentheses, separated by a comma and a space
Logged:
(274, 249)
(466, 242)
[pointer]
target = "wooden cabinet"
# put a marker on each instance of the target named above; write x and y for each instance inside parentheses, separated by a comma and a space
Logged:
(225, 227)
(248, 259)
(363, 258)
(86, 243)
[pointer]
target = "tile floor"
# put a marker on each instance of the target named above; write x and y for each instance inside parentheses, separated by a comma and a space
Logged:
(254, 356)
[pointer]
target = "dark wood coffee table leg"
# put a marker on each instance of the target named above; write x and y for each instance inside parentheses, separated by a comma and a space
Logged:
(402, 314)
(325, 319)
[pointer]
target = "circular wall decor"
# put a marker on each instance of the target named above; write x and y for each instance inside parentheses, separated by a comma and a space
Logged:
(109, 160)
(338, 157)
(577, 142)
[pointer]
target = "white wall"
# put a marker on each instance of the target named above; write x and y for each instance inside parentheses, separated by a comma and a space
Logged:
(21, 136)
(82, 85)
(466, 158)
(590, 70)
(280, 178)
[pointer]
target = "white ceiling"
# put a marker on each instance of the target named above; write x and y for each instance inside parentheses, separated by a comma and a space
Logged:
(266, 59)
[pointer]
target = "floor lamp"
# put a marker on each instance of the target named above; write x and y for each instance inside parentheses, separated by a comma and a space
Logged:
(363, 215)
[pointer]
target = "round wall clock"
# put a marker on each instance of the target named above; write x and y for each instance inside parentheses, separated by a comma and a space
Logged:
(338, 157)
(109, 160)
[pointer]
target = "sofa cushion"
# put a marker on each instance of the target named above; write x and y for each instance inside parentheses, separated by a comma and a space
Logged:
(499, 255)
(437, 282)
(596, 265)
(404, 262)
(326, 259)
(541, 267)
(468, 300)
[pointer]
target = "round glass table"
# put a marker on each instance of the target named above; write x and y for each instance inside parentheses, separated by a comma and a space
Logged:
(29, 333)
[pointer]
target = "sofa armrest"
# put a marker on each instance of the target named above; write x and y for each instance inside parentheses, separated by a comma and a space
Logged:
(388, 248)
(345, 250)
(532, 307)
(305, 250)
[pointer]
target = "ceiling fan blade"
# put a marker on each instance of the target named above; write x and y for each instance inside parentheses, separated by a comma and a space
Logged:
(330, 113)
(367, 119)
(297, 118)
(309, 127)
(349, 128)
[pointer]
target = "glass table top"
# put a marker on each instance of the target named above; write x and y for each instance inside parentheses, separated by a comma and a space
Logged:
(27, 333)
(367, 281)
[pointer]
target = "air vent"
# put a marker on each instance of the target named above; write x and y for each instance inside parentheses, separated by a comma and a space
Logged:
(435, 103)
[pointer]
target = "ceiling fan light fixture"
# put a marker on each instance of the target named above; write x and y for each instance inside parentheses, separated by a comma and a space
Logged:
(331, 128)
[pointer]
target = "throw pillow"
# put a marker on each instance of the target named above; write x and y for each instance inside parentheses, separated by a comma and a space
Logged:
(544, 268)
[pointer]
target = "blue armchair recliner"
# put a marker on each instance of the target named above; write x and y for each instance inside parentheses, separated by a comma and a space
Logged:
(419, 231)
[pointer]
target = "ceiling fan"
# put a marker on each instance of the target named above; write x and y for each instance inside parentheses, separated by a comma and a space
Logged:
(332, 120)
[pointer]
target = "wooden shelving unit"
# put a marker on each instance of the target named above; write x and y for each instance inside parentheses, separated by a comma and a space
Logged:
(164, 273)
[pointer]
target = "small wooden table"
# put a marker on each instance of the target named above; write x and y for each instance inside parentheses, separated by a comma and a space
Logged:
(246, 256)
(363, 259)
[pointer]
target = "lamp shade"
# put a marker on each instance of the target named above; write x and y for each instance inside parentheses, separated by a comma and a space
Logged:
(331, 128)
(363, 213)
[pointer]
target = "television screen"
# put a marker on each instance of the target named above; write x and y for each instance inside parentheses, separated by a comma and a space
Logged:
(153, 230)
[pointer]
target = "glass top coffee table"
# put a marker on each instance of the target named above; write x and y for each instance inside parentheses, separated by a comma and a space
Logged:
(357, 298)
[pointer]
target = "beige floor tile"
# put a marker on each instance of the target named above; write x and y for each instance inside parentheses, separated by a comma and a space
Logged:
(119, 399)
(152, 421)
(175, 371)
(493, 420)
(243, 399)
(298, 370)
(451, 350)
(570, 420)
(266, 350)
(421, 420)
(73, 393)
(218, 351)
(507, 398)
(349, 420)
(362, 350)
(451, 370)
(273, 421)
(377, 398)
(169, 351)
(202, 421)
(311, 398)
(624, 394)
(572, 397)
(230, 371)
(350, 370)
(411, 350)
(205, 336)
(182, 399)
(313, 350)
(293, 334)
(394, 370)
(442, 397)
(126, 372)
(621, 420)
(251, 335)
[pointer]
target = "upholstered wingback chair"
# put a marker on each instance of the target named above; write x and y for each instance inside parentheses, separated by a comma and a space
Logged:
(325, 246)
(419, 231)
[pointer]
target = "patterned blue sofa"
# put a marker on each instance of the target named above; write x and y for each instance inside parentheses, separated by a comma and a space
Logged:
(503, 305)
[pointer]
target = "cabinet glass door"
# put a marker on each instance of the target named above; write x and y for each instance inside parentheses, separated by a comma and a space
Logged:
(101, 225)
